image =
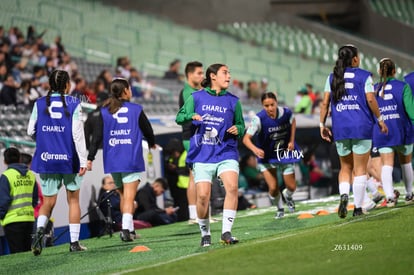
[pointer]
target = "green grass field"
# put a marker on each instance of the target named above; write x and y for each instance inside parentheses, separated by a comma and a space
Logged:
(380, 242)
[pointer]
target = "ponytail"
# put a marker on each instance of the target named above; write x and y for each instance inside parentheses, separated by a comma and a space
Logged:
(117, 88)
(58, 80)
(386, 69)
(345, 55)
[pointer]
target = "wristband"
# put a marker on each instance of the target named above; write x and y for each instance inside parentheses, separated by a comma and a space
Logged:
(321, 125)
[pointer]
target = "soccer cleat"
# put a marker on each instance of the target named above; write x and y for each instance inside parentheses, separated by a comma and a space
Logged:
(134, 235)
(391, 203)
(76, 247)
(378, 197)
(205, 241)
(280, 213)
(368, 206)
(409, 198)
(126, 235)
(227, 238)
(357, 212)
(37, 243)
(343, 204)
(290, 204)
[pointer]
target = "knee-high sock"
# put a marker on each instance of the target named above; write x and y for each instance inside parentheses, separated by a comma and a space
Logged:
(192, 211)
(372, 187)
(407, 174)
(386, 178)
(344, 188)
(359, 188)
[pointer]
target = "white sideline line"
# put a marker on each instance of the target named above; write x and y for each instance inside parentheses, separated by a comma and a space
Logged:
(160, 264)
(364, 217)
(257, 241)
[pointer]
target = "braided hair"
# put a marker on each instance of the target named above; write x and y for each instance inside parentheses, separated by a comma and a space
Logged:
(386, 69)
(345, 55)
(116, 89)
(58, 81)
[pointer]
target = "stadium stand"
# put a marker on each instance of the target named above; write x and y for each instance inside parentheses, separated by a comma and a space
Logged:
(401, 10)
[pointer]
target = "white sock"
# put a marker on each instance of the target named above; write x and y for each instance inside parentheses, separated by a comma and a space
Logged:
(41, 221)
(289, 193)
(74, 229)
(204, 226)
(359, 187)
(366, 198)
(279, 201)
(372, 187)
(228, 219)
(126, 221)
(407, 174)
(192, 211)
(344, 188)
(386, 178)
(131, 226)
(272, 199)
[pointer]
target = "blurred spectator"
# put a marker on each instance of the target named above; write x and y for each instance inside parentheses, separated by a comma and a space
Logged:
(304, 106)
(8, 94)
(79, 90)
(58, 46)
(255, 179)
(106, 77)
(177, 171)
(237, 89)
(123, 66)
(30, 94)
(43, 87)
(253, 90)
(109, 202)
(264, 83)
(100, 91)
(135, 81)
(316, 103)
(311, 94)
(174, 71)
(93, 119)
(148, 209)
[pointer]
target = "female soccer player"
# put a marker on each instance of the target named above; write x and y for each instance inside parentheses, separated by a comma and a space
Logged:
(121, 127)
(218, 117)
(350, 92)
(60, 155)
(275, 148)
(395, 100)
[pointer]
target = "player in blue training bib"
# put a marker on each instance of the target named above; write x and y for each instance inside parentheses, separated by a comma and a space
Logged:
(218, 119)
(350, 93)
(121, 128)
(60, 156)
(395, 101)
(275, 148)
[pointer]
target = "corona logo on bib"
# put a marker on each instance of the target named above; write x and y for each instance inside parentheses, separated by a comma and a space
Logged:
(120, 119)
(45, 156)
